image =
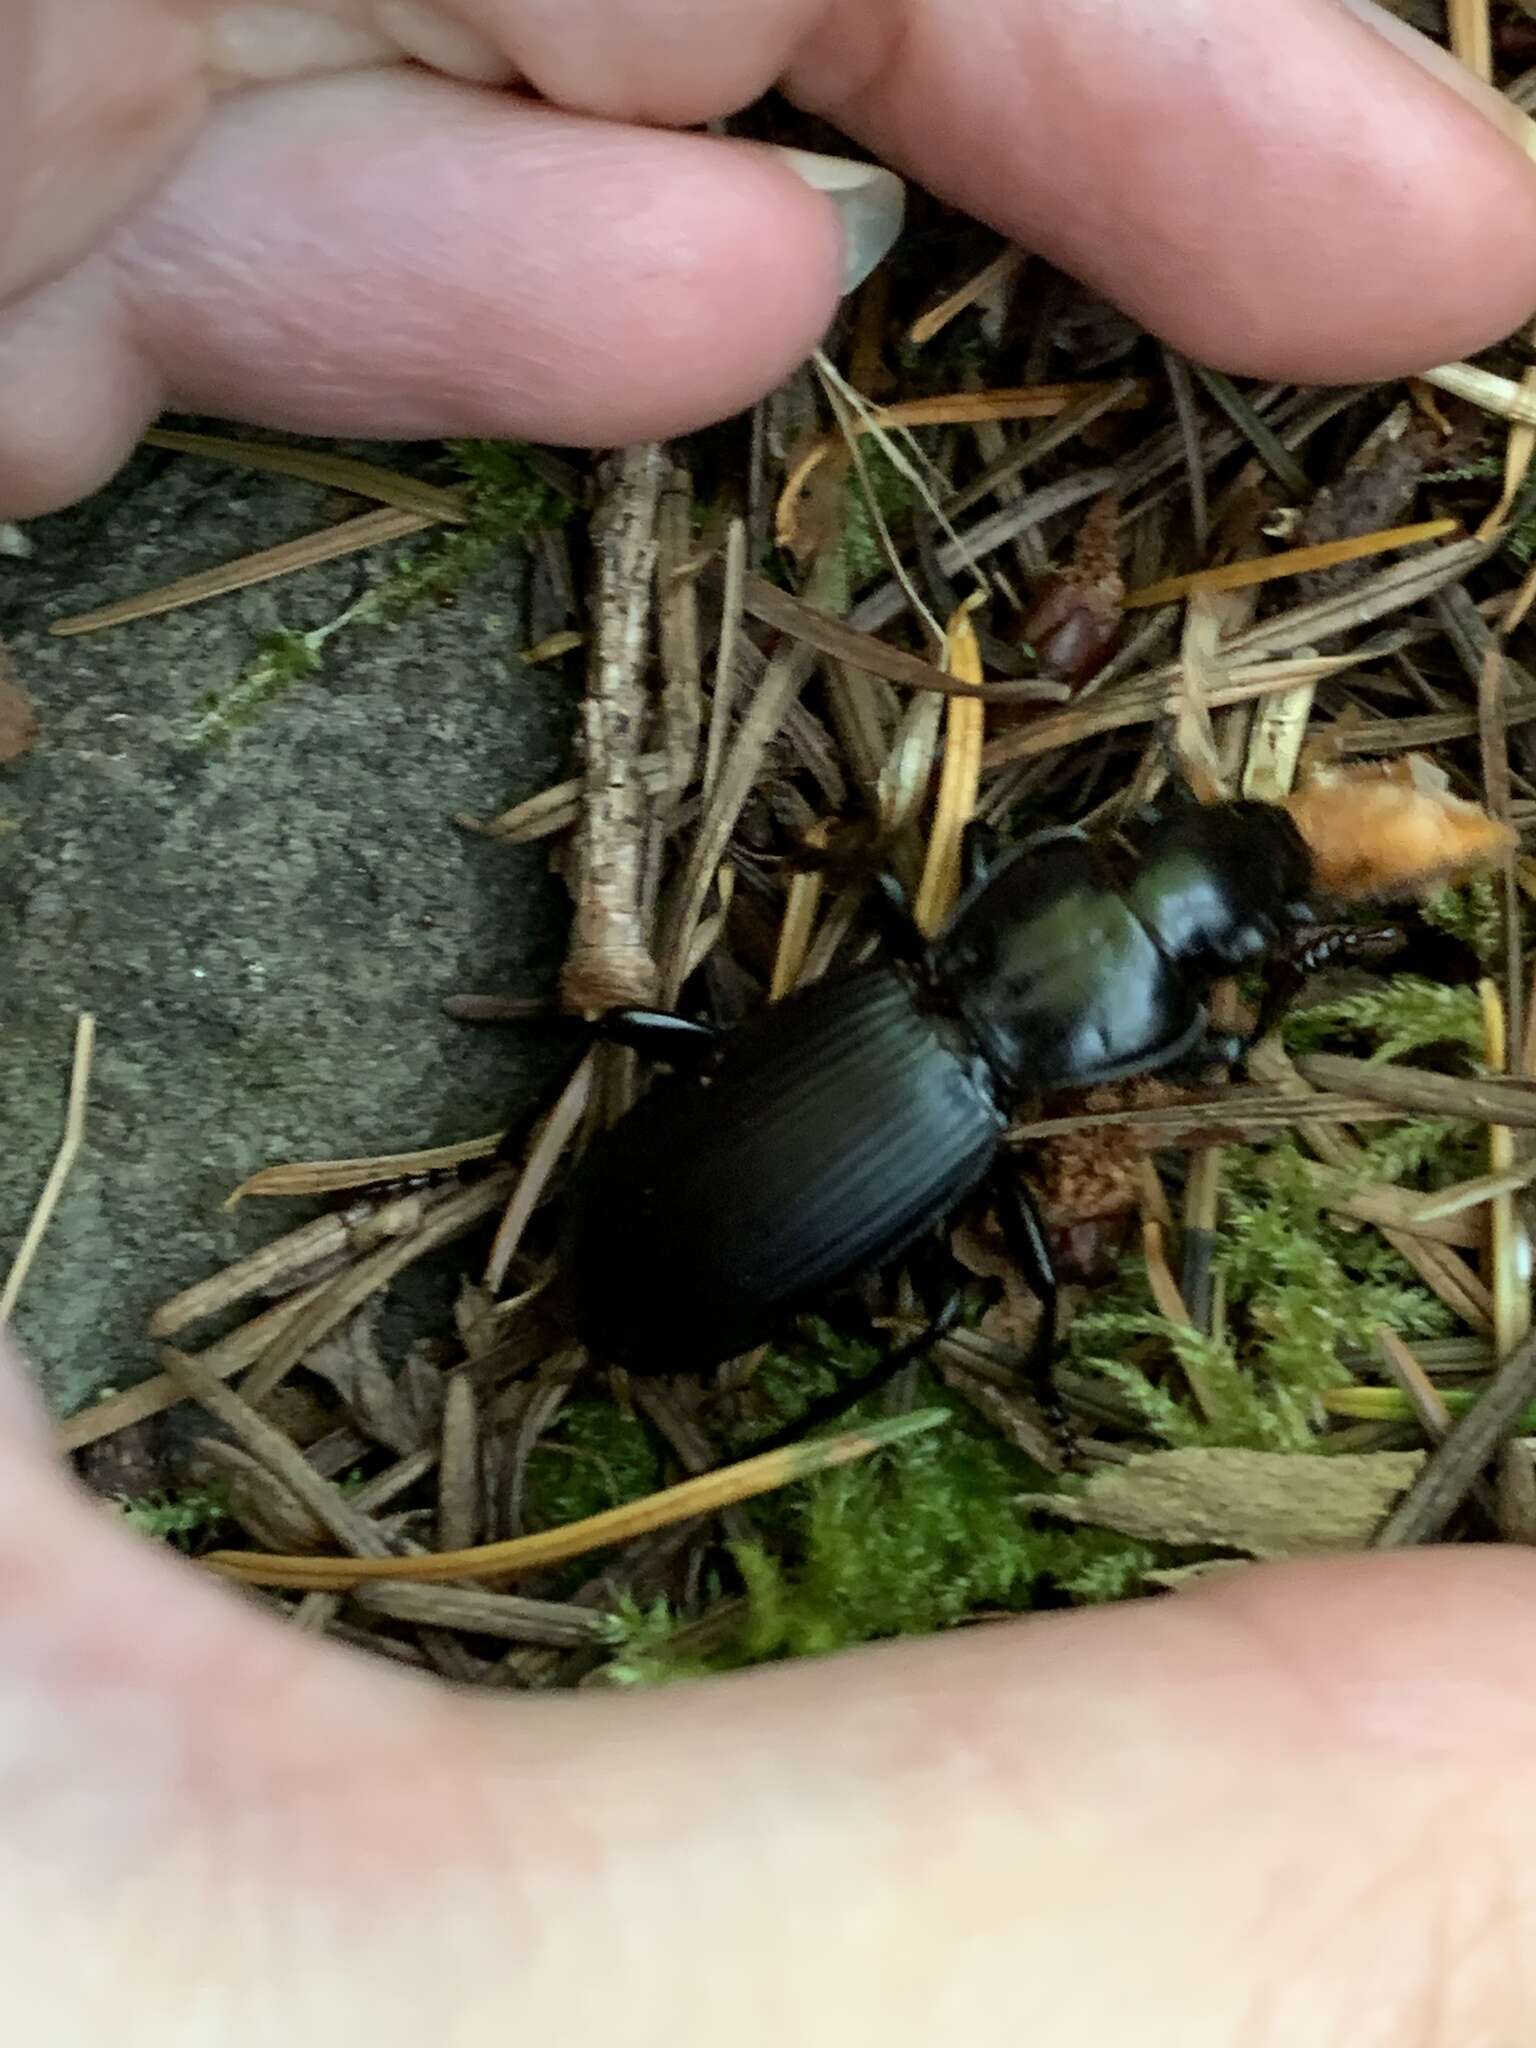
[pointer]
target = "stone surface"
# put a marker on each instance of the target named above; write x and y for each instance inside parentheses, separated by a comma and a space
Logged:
(263, 924)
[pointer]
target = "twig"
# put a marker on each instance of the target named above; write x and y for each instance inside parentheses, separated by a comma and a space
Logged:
(509, 1616)
(53, 1187)
(609, 962)
(1427, 1507)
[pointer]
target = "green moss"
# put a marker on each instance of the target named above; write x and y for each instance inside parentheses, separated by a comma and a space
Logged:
(1302, 1285)
(1402, 1016)
(1474, 913)
(176, 1518)
(863, 552)
(507, 502)
(596, 1456)
(917, 1539)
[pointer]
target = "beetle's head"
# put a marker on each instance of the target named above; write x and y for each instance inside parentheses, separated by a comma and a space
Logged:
(1218, 884)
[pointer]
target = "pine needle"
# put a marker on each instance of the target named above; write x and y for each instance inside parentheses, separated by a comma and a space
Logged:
(315, 466)
(806, 887)
(1294, 562)
(1518, 450)
(1495, 394)
(960, 777)
(1471, 34)
(957, 408)
(706, 1494)
(1509, 1249)
(987, 279)
(351, 537)
(334, 1176)
(53, 1187)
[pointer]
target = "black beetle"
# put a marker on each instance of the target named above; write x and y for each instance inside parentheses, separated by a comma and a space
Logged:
(827, 1134)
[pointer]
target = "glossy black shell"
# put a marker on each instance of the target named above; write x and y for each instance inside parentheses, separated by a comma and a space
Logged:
(839, 1125)
(836, 1127)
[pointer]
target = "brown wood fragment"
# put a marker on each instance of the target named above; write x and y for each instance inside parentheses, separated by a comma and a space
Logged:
(354, 1531)
(458, 1472)
(339, 1298)
(507, 1615)
(609, 962)
(18, 718)
(1264, 1503)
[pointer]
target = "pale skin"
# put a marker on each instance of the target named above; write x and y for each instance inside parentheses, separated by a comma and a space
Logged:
(1299, 1808)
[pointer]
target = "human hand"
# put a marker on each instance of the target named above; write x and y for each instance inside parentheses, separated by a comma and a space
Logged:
(1297, 1808)
(258, 210)
(1296, 1805)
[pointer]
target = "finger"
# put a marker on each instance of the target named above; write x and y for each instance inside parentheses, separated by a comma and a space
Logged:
(1280, 190)
(393, 254)
(1303, 1795)
(95, 105)
(1305, 1798)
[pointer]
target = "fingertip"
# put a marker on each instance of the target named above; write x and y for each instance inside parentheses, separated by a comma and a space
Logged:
(500, 268)
(75, 394)
(22, 1421)
(1394, 1651)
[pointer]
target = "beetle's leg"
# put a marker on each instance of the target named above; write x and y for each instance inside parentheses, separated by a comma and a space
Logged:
(831, 1406)
(979, 848)
(899, 933)
(1024, 1235)
(660, 1035)
(1409, 944)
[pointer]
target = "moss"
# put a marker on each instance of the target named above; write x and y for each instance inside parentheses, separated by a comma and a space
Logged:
(177, 1518)
(596, 1456)
(863, 552)
(1302, 1285)
(284, 660)
(1402, 1016)
(507, 501)
(918, 1539)
(1474, 913)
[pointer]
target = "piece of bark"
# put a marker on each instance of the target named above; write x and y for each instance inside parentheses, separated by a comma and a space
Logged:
(1264, 1503)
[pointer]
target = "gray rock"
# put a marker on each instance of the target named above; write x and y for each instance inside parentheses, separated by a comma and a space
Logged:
(264, 924)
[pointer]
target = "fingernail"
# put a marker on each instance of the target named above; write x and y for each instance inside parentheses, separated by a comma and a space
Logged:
(870, 202)
(1449, 70)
